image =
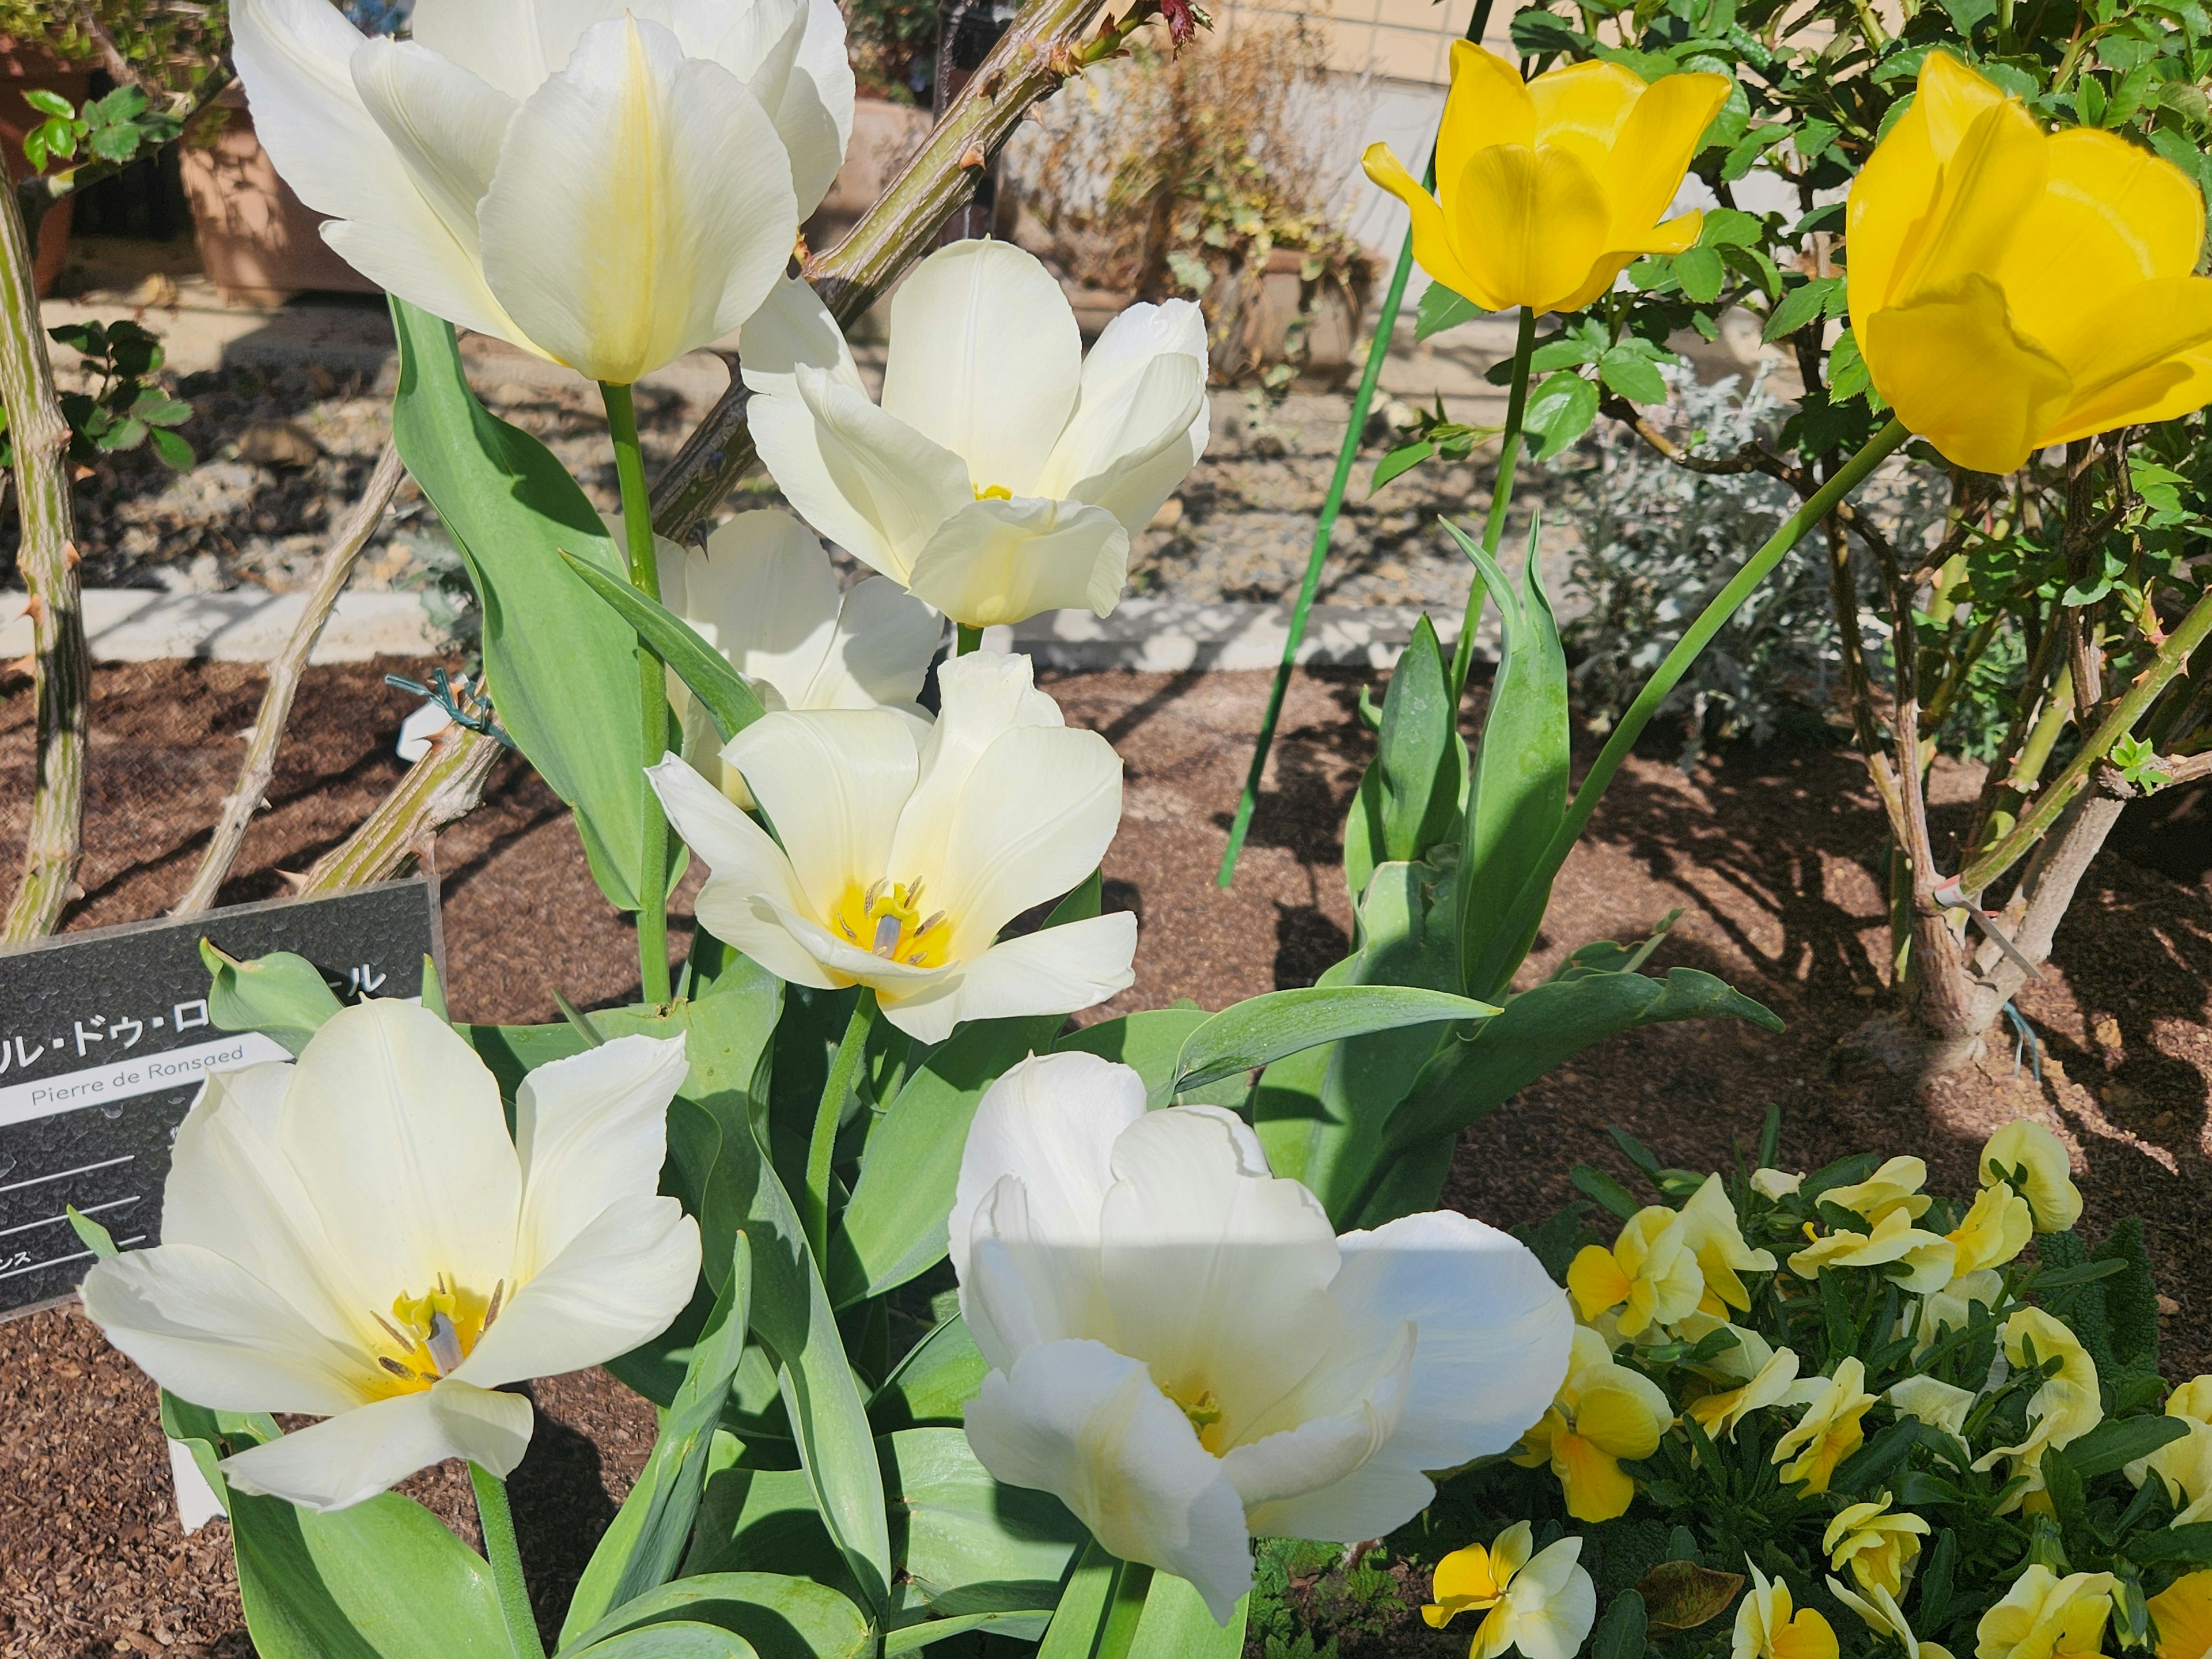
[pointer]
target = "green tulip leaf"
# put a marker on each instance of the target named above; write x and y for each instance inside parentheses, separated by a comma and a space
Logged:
(280, 994)
(675, 642)
(782, 1617)
(967, 1544)
(672, 1640)
(1149, 1042)
(1264, 1028)
(1175, 1625)
(1014, 1627)
(934, 1382)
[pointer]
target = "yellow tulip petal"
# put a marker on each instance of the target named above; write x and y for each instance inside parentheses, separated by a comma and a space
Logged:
(1958, 375)
(1597, 1488)
(2132, 354)
(2122, 216)
(1584, 108)
(1950, 99)
(1994, 176)
(1657, 141)
(1433, 243)
(1596, 1280)
(1532, 224)
(1894, 191)
(1808, 1636)
(1488, 105)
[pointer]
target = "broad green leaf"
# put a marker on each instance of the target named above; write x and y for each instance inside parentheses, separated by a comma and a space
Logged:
(560, 666)
(1518, 792)
(1176, 1625)
(1559, 412)
(1633, 375)
(1148, 1043)
(2118, 1442)
(1074, 1632)
(934, 1382)
(675, 1639)
(1620, 1634)
(280, 994)
(966, 1543)
(1014, 1627)
(640, 1550)
(2175, 1547)
(675, 642)
(1396, 463)
(763, 1520)
(1251, 1034)
(783, 1618)
(1701, 273)
(1413, 802)
(1438, 309)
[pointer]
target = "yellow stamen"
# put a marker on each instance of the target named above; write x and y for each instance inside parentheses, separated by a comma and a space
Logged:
(993, 493)
(434, 1332)
(885, 919)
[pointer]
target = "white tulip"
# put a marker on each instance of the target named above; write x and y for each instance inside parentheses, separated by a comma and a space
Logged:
(354, 1236)
(1005, 472)
(764, 593)
(1183, 1351)
(901, 859)
(609, 184)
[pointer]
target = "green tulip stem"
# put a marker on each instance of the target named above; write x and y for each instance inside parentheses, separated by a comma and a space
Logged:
(1125, 1610)
(1536, 888)
(843, 1071)
(653, 688)
(1501, 496)
(506, 1562)
(966, 640)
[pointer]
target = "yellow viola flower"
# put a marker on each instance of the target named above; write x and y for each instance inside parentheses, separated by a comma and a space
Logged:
(1604, 1412)
(1995, 1230)
(1934, 1401)
(1551, 187)
(1952, 1308)
(2034, 1161)
(1544, 1606)
(1710, 1227)
(2011, 288)
(1717, 1414)
(2063, 1409)
(2044, 1616)
(1878, 1546)
(1775, 1185)
(1878, 1609)
(2185, 1465)
(1830, 1429)
(1928, 1258)
(2183, 1611)
(1765, 1628)
(1650, 1274)
(1895, 1186)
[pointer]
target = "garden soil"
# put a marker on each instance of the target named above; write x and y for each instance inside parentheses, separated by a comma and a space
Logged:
(1767, 853)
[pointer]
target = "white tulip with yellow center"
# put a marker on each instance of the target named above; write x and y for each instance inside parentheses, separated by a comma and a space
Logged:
(1003, 472)
(902, 859)
(1184, 1353)
(762, 593)
(354, 1236)
(608, 184)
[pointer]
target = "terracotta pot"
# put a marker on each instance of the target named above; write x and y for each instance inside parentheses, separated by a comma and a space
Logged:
(28, 69)
(259, 244)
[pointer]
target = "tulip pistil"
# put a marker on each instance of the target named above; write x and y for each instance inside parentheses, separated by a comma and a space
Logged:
(993, 493)
(435, 1331)
(886, 920)
(1203, 1410)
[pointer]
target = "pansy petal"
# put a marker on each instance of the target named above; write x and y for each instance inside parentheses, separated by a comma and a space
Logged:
(348, 1459)
(1081, 1421)
(996, 561)
(590, 1130)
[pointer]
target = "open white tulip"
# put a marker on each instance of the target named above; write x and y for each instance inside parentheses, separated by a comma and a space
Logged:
(609, 184)
(902, 859)
(1183, 1351)
(1005, 472)
(354, 1236)
(764, 593)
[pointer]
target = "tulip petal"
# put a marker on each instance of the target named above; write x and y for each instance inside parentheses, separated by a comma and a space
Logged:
(1435, 247)
(846, 964)
(1324, 1450)
(1658, 138)
(1951, 98)
(514, 45)
(1054, 970)
(2147, 327)
(748, 873)
(351, 1458)
(631, 220)
(792, 53)
(1050, 1122)
(984, 695)
(446, 125)
(1985, 190)
(620, 1279)
(1895, 188)
(997, 1301)
(832, 782)
(1959, 376)
(1533, 224)
(1129, 455)
(985, 359)
(590, 1130)
(1488, 104)
(1582, 108)
(1005, 561)
(879, 652)
(206, 1328)
(1085, 1424)
(1216, 1271)
(400, 1141)
(1114, 373)
(762, 594)
(293, 57)
(793, 327)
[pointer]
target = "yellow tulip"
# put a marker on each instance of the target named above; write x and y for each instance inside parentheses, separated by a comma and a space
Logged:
(2044, 1616)
(1878, 1546)
(2012, 288)
(2026, 1155)
(1830, 1429)
(2184, 1612)
(1551, 187)
(1710, 1229)
(1650, 1274)
(1765, 1628)
(1604, 1412)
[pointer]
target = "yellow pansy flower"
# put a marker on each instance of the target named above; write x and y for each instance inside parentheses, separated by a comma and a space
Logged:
(1650, 1274)
(1878, 1546)
(2012, 288)
(2185, 1465)
(1895, 1186)
(1934, 1401)
(1544, 1606)
(1604, 1412)
(1550, 188)
(1775, 1185)
(2039, 1156)
(2183, 1611)
(1765, 1628)
(1709, 1226)
(2044, 1616)
(1928, 1258)
(2063, 1409)
(1717, 1414)
(1952, 1308)
(1830, 1429)
(1995, 1230)
(1878, 1609)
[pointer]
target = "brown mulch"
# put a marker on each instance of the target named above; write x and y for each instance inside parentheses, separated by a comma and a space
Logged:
(1768, 853)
